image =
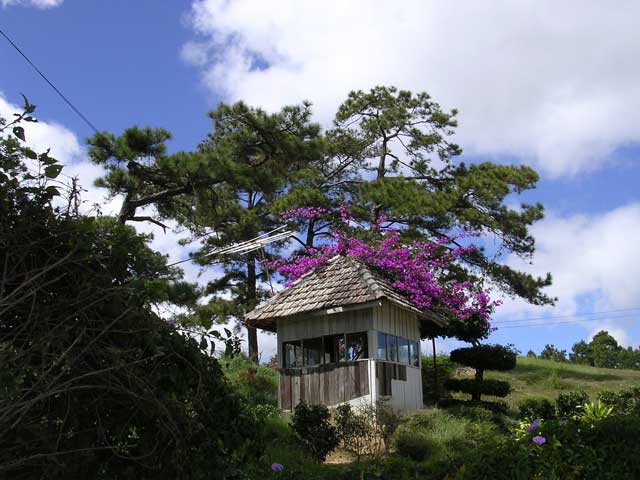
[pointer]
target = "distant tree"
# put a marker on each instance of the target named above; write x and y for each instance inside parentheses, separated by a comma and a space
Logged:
(550, 352)
(604, 351)
(580, 353)
(531, 354)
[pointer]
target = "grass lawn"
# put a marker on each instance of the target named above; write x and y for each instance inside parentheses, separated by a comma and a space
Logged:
(534, 377)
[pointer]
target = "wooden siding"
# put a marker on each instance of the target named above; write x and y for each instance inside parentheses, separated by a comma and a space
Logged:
(396, 321)
(387, 371)
(325, 384)
(312, 326)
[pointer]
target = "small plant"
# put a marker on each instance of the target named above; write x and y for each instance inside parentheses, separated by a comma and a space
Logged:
(531, 408)
(593, 412)
(567, 404)
(312, 426)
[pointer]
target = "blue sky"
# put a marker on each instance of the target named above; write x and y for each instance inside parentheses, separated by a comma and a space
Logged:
(555, 87)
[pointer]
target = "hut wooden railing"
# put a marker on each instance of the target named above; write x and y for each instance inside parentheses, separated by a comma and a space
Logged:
(329, 384)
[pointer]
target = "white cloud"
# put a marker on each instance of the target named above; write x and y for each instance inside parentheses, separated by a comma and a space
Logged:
(43, 4)
(63, 142)
(595, 263)
(553, 83)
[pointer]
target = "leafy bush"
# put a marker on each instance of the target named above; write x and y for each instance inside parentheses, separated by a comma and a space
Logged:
(366, 429)
(568, 404)
(475, 388)
(312, 425)
(355, 428)
(607, 450)
(432, 392)
(486, 357)
(624, 402)
(95, 384)
(531, 408)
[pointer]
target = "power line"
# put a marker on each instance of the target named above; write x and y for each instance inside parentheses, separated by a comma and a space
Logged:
(566, 322)
(73, 107)
(603, 312)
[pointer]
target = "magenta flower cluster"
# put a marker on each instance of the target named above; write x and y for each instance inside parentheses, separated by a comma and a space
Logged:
(306, 213)
(416, 269)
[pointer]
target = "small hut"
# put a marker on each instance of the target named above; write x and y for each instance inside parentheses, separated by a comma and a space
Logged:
(345, 335)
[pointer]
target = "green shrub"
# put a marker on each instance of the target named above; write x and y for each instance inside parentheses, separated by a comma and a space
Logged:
(475, 388)
(255, 384)
(312, 426)
(413, 445)
(607, 450)
(567, 404)
(536, 408)
(624, 402)
(432, 392)
(485, 357)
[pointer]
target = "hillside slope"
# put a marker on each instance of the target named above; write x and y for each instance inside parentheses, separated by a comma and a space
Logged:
(534, 377)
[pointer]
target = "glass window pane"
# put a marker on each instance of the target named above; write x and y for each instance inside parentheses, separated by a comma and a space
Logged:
(357, 346)
(415, 354)
(312, 351)
(334, 349)
(382, 346)
(392, 348)
(403, 350)
(292, 354)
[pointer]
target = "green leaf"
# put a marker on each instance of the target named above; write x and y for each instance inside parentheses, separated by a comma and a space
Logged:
(52, 171)
(30, 153)
(19, 132)
(28, 107)
(52, 191)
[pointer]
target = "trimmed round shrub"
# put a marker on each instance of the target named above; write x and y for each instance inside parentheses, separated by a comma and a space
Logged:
(475, 388)
(314, 430)
(485, 357)
(567, 403)
(536, 407)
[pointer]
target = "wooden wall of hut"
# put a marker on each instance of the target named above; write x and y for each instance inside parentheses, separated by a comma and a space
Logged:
(325, 384)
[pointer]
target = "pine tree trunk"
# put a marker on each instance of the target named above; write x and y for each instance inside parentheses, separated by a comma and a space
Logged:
(252, 332)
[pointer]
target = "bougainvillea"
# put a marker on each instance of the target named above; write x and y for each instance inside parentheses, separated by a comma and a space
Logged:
(418, 269)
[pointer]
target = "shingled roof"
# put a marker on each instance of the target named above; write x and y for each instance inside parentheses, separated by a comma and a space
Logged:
(341, 282)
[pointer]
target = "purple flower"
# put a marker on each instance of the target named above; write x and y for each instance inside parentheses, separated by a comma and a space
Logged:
(277, 467)
(539, 440)
(535, 424)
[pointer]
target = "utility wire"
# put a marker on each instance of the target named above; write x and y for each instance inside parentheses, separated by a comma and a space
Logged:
(603, 312)
(73, 107)
(566, 322)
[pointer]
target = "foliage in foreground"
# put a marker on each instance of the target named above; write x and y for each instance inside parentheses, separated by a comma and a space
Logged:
(94, 384)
